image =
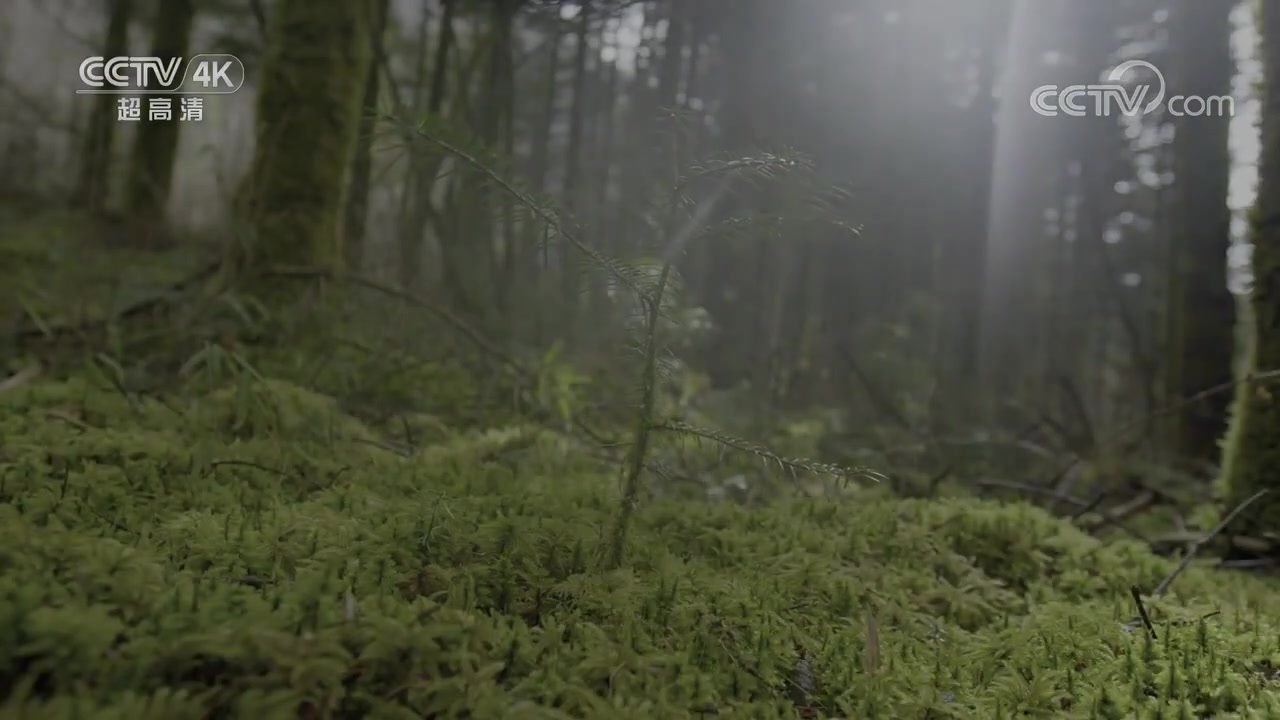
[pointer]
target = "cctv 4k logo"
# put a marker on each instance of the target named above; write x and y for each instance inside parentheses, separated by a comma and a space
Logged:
(206, 74)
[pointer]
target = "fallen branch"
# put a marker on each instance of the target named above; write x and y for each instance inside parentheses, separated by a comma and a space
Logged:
(1195, 547)
(1058, 496)
(1137, 504)
(1120, 438)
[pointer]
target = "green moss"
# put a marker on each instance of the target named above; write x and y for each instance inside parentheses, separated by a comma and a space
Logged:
(159, 560)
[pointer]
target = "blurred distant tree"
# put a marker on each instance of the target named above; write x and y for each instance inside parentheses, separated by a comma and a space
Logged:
(1203, 309)
(357, 211)
(430, 93)
(156, 144)
(92, 185)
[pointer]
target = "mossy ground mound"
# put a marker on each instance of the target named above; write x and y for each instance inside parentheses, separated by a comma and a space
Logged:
(216, 557)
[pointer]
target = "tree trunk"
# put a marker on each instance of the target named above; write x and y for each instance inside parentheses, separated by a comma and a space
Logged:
(95, 162)
(1251, 453)
(1027, 163)
(362, 165)
(569, 276)
(421, 177)
(308, 115)
(539, 264)
(1204, 310)
(154, 149)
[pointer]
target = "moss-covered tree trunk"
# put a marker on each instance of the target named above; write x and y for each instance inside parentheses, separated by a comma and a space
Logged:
(95, 160)
(308, 114)
(1252, 453)
(154, 149)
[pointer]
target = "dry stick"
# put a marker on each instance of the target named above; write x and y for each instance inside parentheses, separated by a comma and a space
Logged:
(26, 375)
(1119, 437)
(1142, 501)
(1195, 547)
(1090, 506)
(1033, 490)
(1264, 376)
(1142, 610)
(1107, 519)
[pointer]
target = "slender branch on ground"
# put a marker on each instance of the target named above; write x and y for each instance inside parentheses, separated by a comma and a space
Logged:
(1195, 547)
(22, 377)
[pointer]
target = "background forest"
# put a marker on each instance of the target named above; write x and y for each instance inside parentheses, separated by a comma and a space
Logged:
(624, 358)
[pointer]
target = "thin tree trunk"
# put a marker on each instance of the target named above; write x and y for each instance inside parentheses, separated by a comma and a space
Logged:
(419, 184)
(1204, 309)
(577, 117)
(362, 165)
(156, 144)
(539, 169)
(92, 186)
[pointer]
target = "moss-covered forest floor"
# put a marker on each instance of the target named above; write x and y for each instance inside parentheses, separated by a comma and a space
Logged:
(246, 542)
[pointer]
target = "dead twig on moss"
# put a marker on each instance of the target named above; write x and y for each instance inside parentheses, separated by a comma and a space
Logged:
(1090, 506)
(1142, 501)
